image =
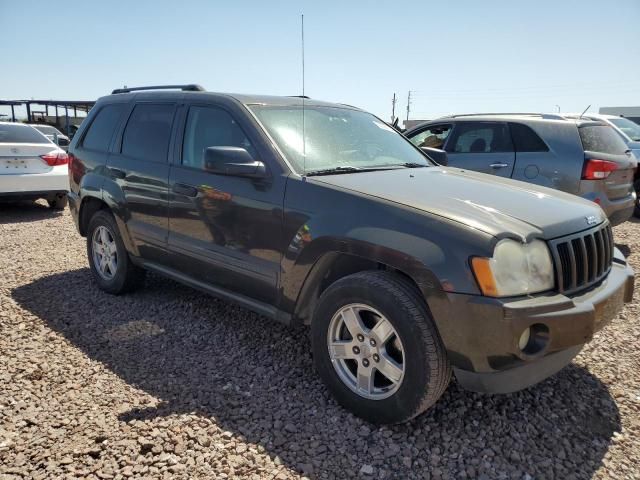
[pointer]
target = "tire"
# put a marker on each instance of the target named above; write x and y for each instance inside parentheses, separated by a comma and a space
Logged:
(426, 368)
(126, 276)
(59, 202)
(636, 186)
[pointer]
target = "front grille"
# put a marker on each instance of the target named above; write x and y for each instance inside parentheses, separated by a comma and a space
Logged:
(582, 259)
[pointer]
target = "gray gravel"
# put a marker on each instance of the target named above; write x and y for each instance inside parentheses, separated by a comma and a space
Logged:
(170, 383)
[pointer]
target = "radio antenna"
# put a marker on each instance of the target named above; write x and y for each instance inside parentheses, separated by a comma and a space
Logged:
(304, 141)
(585, 111)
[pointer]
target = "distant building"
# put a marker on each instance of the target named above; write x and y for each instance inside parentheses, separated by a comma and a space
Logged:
(632, 113)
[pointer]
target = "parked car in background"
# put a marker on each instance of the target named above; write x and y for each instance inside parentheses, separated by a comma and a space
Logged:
(583, 157)
(32, 166)
(630, 133)
(321, 214)
(53, 134)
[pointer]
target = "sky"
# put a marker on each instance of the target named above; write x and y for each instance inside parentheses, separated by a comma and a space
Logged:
(459, 56)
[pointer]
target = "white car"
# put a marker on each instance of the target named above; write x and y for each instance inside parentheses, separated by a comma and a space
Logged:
(53, 134)
(32, 166)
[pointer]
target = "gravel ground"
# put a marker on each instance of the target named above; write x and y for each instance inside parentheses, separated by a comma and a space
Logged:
(170, 383)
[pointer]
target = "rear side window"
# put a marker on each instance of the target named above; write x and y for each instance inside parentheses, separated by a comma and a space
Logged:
(480, 137)
(20, 134)
(526, 140)
(146, 136)
(602, 139)
(100, 131)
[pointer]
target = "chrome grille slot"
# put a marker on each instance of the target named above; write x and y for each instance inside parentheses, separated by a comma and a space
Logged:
(582, 259)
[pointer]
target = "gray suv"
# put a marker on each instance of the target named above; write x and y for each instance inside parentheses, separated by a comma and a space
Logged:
(584, 157)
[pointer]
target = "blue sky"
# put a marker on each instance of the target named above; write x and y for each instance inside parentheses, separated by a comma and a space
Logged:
(457, 56)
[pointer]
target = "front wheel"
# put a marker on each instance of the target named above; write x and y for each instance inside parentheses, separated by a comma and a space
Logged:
(377, 348)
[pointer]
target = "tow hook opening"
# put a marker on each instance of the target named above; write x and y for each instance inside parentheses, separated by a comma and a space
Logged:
(534, 339)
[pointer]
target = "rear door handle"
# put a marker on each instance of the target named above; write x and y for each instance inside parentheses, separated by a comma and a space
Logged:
(117, 173)
(186, 190)
(499, 165)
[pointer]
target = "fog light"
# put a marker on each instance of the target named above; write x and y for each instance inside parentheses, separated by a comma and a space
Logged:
(524, 338)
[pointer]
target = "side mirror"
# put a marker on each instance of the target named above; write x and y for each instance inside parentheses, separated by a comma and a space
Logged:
(439, 156)
(63, 142)
(233, 161)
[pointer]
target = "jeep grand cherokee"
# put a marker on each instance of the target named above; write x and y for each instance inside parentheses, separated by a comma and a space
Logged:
(318, 213)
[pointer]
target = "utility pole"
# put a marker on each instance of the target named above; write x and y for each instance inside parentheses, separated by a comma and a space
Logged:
(408, 104)
(393, 108)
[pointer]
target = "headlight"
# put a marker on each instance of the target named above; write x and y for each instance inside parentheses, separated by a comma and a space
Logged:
(515, 269)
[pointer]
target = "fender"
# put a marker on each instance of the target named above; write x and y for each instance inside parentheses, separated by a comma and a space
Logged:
(97, 185)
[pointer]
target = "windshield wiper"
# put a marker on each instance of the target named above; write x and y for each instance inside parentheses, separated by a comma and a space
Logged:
(349, 169)
(413, 165)
(334, 170)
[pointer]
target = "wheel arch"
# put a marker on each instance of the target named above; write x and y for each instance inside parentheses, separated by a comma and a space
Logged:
(332, 266)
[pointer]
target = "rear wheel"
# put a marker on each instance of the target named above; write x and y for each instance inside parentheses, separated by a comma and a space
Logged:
(377, 349)
(109, 261)
(59, 202)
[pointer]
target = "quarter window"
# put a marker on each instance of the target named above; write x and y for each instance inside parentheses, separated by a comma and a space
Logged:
(210, 127)
(147, 134)
(526, 140)
(101, 130)
(433, 137)
(480, 137)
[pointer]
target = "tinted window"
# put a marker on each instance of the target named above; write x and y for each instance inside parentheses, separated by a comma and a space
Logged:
(16, 133)
(525, 139)
(210, 127)
(603, 139)
(146, 136)
(480, 137)
(101, 129)
(433, 137)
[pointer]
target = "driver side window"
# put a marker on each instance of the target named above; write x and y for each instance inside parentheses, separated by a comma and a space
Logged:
(434, 136)
(210, 127)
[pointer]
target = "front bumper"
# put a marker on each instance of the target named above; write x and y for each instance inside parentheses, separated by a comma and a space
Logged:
(481, 334)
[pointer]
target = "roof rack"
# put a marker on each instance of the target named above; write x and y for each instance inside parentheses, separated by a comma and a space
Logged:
(185, 88)
(552, 116)
(299, 96)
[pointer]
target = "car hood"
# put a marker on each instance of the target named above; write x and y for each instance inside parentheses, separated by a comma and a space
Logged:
(495, 205)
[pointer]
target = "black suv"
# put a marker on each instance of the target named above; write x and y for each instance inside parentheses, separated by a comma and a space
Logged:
(322, 214)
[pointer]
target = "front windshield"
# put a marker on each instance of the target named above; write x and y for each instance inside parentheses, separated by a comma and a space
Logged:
(336, 138)
(629, 128)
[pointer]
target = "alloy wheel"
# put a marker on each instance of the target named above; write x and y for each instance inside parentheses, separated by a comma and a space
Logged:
(366, 351)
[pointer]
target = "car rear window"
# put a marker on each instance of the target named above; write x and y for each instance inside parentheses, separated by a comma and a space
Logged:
(101, 129)
(20, 134)
(602, 139)
(526, 140)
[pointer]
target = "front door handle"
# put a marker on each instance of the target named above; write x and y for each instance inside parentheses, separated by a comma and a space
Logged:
(499, 165)
(117, 173)
(186, 190)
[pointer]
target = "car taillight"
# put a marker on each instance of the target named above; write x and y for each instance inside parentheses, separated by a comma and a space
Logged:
(55, 158)
(597, 169)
